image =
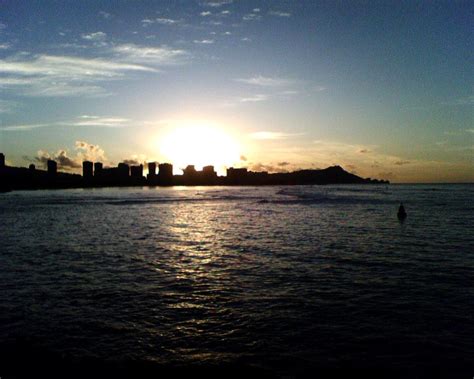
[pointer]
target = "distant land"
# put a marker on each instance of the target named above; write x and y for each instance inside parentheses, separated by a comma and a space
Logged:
(95, 175)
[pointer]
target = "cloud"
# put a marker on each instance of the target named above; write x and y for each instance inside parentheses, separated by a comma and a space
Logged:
(82, 121)
(279, 14)
(89, 152)
(204, 14)
(161, 21)
(109, 122)
(204, 41)
(97, 36)
(50, 75)
(61, 157)
(216, 3)
(271, 135)
(470, 130)
(162, 55)
(4, 46)
(22, 127)
(105, 15)
(264, 81)
(364, 151)
(251, 17)
(283, 164)
(254, 98)
(259, 167)
(256, 10)
(243, 158)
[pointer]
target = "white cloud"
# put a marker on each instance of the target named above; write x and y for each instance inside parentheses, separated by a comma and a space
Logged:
(105, 15)
(204, 41)
(49, 75)
(22, 127)
(146, 54)
(217, 3)
(279, 14)
(97, 36)
(256, 10)
(204, 14)
(4, 46)
(265, 81)
(251, 17)
(109, 122)
(160, 20)
(254, 98)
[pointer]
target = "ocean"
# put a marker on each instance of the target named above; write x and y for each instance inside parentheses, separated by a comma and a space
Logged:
(285, 281)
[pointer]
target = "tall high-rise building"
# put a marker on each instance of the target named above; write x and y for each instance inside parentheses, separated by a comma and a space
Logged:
(52, 167)
(137, 171)
(97, 168)
(165, 173)
(87, 170)
(2, 160)
(151, 168)
(124, 170)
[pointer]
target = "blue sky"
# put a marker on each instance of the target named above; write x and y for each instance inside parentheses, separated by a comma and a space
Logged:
(383, 88)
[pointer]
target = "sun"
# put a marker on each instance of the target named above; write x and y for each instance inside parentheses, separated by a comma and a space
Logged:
(199, 145)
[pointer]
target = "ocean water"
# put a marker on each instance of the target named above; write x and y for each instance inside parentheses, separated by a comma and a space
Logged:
(283, 279)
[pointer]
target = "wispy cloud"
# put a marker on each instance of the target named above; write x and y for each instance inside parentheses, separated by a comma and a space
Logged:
(97, 36)
(279, 14)
(271, 135)
(109, 122)
(254, 98)
(204, 41)
(105, 15)
(251, 17)
(161, 55)
(216, 3)
(81, 121)
(22, 127)
(161, 21)
(58, 76)
(206, 13)
(48, 75)
(265, 81)
(4, 46)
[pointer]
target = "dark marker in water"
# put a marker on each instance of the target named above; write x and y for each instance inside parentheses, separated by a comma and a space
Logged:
(402, 214)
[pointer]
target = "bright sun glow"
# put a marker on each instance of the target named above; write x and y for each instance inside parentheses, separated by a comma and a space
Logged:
(199, 145)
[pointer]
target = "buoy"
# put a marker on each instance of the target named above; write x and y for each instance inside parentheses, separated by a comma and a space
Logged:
(402, 214)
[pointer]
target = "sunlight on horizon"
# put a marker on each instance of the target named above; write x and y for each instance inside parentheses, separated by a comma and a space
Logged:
(199, 145)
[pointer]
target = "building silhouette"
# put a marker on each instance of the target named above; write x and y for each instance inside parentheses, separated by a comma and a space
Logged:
(2, 160)
(136, 171)
(87, 170)
(165, 174)
(98, 169)
(52, 167)
(151, 169)
(123, 170)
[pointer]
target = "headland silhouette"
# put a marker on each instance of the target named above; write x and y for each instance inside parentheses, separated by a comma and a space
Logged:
(94, 174)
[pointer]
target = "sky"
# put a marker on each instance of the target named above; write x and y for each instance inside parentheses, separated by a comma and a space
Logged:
(382, 88)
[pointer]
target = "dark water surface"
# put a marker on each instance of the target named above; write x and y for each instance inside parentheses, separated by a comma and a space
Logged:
(282, 279)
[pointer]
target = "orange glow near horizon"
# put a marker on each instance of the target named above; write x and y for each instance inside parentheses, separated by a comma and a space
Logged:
(199, 145)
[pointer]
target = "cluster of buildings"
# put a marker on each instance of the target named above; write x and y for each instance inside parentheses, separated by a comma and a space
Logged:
(94, 174)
